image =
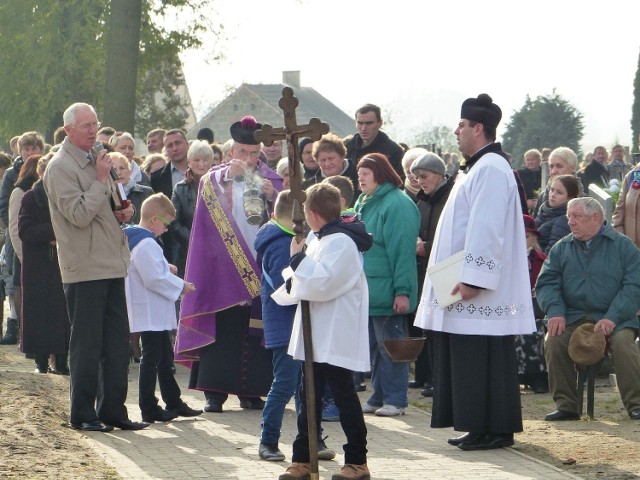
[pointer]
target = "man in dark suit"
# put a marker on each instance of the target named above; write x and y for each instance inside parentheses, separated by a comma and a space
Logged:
(162, 181)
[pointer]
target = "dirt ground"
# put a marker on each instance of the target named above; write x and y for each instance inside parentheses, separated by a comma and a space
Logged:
(607, 447)
(36, 444)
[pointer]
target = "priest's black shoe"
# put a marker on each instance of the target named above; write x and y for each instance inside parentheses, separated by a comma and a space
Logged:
(160, 415)
(635, 414)
(212, 407)
(128, 425)
(559, 415)
(95, 426)
(361, 387)
(416, 384)
(252, 403)
(488, 441)
(270, 453)
(455, 441)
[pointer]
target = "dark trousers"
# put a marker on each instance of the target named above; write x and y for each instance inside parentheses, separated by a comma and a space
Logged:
(98, 350)
(156, 363)
(340, 381)
(422, 373)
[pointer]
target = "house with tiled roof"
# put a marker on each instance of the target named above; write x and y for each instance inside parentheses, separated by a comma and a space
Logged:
(261, 101)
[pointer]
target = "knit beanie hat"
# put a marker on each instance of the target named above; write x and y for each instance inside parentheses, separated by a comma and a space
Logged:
(431, 162)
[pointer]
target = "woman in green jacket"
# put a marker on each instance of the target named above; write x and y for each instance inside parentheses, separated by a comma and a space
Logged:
(393, 220)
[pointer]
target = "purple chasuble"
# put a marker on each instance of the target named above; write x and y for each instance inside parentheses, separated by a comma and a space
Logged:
(219, 263)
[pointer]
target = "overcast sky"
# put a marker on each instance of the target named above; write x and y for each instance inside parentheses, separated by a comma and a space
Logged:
(419, 60)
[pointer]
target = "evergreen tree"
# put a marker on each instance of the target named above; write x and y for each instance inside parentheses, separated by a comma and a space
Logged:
(548, 121)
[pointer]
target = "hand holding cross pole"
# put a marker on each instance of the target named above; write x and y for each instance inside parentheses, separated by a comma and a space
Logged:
(291, 132)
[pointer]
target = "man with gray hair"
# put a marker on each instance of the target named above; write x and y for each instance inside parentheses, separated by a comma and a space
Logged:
(94, 258)
(591, 276)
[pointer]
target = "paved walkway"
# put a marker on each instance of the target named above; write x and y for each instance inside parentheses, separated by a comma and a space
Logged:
(224, 446)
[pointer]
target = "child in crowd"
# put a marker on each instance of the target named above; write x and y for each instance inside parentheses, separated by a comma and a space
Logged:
(345, 186)
(272, 244)
(152, 289)
(329, 275)
(552, 221)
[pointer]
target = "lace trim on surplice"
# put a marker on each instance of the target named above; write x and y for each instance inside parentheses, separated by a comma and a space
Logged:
(474, 309)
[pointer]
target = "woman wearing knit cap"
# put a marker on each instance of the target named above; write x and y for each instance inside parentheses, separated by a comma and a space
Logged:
(435, 186)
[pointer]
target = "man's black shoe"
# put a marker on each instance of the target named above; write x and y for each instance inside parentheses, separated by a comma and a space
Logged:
(427, 391)
(455, 441)
(186, 411)
(270, 453)
(416, 384)
(488, 441)
(159, 415)
(635, 414)
(212, 407)
(361, 387)
(95, 426)
(128, 425)
(252, 403)
(559, 415)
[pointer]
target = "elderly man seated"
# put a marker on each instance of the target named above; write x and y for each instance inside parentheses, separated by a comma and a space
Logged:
(591, 275)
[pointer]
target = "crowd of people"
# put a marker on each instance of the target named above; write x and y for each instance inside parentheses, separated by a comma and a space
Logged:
(187, 255)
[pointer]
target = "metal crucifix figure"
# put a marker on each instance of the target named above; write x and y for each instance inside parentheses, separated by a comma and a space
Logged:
(291, 132)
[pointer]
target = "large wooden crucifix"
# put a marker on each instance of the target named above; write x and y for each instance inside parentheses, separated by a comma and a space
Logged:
(291, 132)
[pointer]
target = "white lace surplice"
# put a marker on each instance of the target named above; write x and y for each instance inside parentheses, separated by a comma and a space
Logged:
(483, 217)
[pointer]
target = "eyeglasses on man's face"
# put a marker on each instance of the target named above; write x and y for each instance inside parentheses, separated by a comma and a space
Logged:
(88, 126)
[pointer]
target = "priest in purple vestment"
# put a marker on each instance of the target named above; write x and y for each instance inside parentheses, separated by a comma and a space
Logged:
(220, 330)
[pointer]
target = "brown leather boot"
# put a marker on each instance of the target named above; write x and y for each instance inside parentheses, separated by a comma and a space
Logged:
(297, 471)
(350, 472)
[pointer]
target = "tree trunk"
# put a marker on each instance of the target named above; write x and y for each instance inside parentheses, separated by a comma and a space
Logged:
(123, 39)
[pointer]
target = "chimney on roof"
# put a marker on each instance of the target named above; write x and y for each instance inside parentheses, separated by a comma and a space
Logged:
(291, 78)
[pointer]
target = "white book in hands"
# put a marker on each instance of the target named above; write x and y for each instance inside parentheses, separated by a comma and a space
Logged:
(444, 276)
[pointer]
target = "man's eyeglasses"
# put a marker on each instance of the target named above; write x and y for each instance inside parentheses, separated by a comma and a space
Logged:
(89, 125)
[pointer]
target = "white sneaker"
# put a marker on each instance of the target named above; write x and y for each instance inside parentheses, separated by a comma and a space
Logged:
(389, 411)
(368, 408)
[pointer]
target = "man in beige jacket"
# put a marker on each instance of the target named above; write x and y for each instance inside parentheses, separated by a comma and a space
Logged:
(94, 257)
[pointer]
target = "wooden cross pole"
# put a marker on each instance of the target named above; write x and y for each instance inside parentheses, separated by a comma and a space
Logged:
(291, 132)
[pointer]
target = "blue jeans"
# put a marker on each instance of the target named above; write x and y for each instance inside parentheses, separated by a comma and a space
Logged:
(389, 379)
(286, 381)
